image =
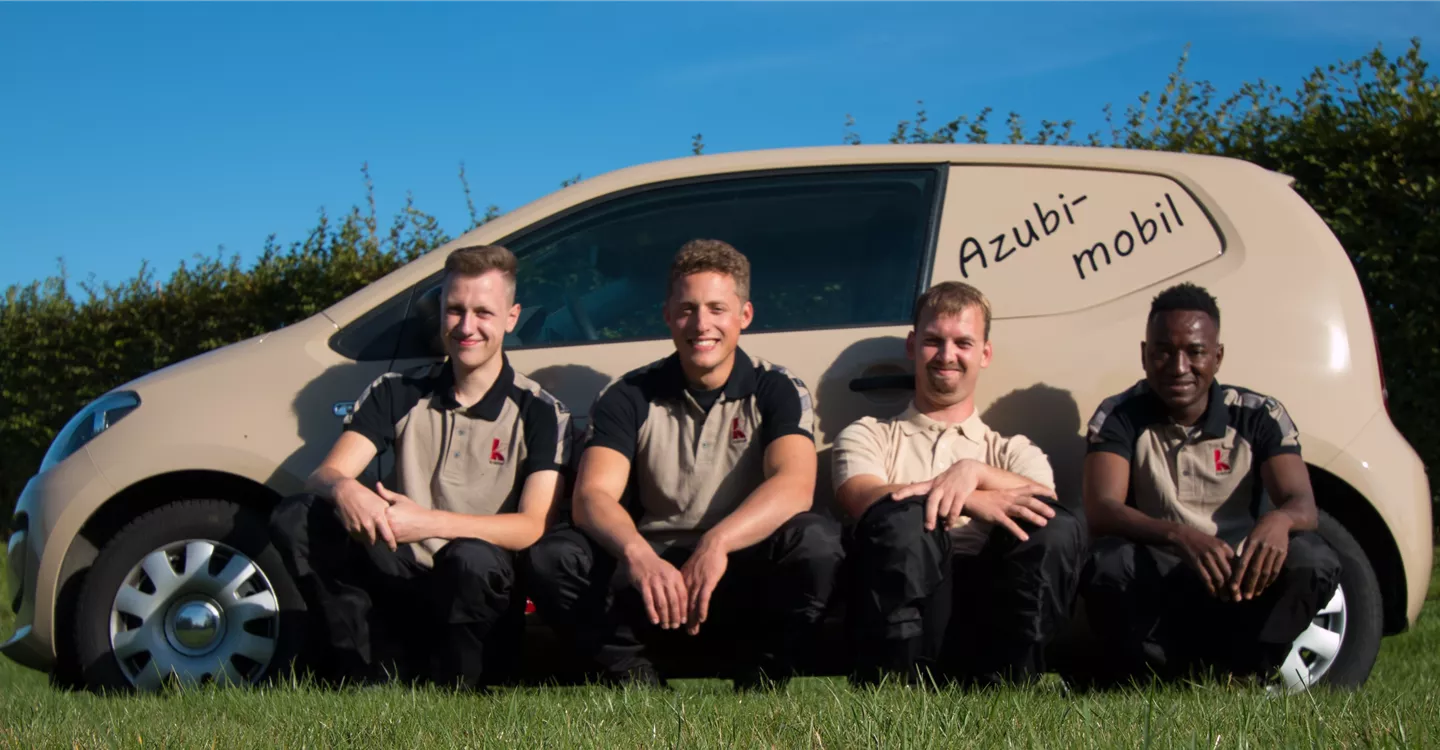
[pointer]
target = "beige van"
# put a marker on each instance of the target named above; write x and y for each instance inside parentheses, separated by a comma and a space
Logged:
(138, 550)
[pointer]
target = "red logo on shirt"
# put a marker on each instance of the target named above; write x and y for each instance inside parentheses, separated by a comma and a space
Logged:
(737, 433)
(496, 457)
(1220, 466)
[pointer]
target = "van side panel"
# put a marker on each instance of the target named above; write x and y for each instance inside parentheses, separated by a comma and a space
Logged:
(1293, 318)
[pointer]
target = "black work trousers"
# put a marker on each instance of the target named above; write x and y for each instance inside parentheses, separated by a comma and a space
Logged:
(373, 613)
(916, 607)
(1154, 617)
(767, 610)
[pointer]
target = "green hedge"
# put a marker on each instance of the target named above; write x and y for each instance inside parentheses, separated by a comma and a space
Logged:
(1362, 139)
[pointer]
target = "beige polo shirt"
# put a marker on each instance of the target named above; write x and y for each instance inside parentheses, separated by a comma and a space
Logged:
(694, 463)
(913, 448)
(1206, 475)
(471, 460)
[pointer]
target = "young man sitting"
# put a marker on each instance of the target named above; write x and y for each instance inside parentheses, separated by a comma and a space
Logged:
(409, 580)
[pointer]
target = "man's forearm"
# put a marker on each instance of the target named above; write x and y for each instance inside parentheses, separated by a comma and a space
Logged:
(856, 503)
(1111, 518)
(326, 482)
(609, 524)
(511, 531)
(1300, 509)
(775, 501)
(994, 478)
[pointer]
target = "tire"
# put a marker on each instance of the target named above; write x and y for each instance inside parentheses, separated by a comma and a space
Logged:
(1355, 613)
(192, 592)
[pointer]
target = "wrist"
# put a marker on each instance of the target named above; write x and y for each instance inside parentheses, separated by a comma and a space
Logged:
(713, 540)
(342, 487)
(637, 551)
(1279, 516)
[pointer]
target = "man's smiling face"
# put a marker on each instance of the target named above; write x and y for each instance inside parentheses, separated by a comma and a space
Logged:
(706, 316)
(949, 352)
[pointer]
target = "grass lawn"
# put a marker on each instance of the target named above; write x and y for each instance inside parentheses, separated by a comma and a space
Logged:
(1399, 707)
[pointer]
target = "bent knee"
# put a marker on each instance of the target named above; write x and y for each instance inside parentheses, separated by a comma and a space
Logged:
(291, 516)
(559, 555)
(892, 523)
(812, 537)
(474, 557)
(1065, 533)
(1310, 558)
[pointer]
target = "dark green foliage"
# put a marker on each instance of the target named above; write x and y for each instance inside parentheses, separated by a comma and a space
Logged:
(57, 352)
(1361, 138)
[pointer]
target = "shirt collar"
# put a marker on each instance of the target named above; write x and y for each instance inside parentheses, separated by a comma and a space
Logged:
(1212, 423)
(913, 422)
(489, 406)
(1217, 416)
(741, 383)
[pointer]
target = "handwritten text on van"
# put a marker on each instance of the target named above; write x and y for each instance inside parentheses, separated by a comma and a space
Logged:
(1147, 230)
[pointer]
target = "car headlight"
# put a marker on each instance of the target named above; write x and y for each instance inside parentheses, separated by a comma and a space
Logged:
(94, 419)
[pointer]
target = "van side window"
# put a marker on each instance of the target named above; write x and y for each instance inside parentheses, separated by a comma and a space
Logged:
(829, 249)
(826, 249)
(374, 336)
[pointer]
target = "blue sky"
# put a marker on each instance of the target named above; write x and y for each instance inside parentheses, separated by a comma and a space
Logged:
(156, 132)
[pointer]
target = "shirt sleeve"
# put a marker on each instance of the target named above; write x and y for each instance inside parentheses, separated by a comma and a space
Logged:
(1112, 429)
(1274, 433)
(547, 434)
(1026, 459)
(859, 449)
(616, 419)
(784, 405)
(375, 415)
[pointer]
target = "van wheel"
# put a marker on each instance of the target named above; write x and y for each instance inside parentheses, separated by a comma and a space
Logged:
(187, 594)
(1340, 646)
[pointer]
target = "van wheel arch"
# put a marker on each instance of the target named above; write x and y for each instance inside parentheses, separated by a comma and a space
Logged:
(1346, 505)
(107, 520)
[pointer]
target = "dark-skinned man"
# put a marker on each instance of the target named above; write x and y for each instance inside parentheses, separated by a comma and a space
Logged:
(410, 580)
(1202, 512)
(962, 566)
(718, 449)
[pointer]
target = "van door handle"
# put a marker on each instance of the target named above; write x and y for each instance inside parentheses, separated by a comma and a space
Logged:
(883, 382)
(343, 409)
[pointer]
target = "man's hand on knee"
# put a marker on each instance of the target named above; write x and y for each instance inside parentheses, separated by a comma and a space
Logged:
(1265, 550)
(1005, 507)
(660, 585)
(702, 572)
(363, 513)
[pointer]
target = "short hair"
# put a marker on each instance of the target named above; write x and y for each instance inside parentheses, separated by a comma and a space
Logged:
(1185, 296)
(951, 298)
(699, 256)
(479, 259)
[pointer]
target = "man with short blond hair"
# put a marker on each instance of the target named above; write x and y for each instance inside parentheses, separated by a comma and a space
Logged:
(962, 564)
(718, 451)
(411, 580)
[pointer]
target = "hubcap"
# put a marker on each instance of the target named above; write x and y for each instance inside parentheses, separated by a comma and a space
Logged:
(194, 626)
(1314, 652)
(194, 611)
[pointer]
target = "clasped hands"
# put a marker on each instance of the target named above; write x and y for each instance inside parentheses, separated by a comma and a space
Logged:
(965, 489)
(382, 515)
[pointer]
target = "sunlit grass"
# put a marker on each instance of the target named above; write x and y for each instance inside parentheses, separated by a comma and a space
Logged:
(1399, 707)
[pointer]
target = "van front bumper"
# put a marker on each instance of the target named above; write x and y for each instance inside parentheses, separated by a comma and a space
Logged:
(22, 563)
(41, 533)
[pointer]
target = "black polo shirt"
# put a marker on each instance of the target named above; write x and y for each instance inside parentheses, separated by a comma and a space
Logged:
(1206, 475)
(694, 465)
(473, 460)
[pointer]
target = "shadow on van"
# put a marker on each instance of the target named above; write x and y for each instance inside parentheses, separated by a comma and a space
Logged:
(317, 427)
(1050, 418)
(836, 406)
